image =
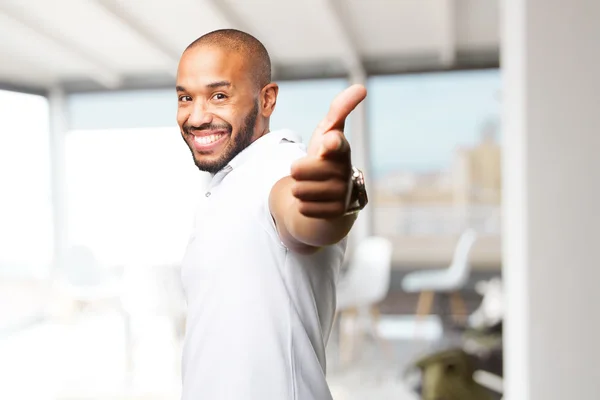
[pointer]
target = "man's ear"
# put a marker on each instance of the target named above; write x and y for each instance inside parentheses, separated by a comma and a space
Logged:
(268, 99)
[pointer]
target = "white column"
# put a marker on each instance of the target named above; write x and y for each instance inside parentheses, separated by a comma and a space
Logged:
(361, 159)
(58, 130)
(551, 169)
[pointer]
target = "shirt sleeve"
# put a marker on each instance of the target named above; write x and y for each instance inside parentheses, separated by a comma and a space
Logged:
(276, 167)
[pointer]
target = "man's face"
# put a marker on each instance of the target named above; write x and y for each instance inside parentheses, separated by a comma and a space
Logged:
(218, 105)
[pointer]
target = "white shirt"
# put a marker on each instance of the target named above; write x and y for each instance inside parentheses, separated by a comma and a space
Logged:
(259, 315)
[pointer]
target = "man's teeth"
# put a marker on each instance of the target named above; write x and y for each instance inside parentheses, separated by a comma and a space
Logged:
(208, 139)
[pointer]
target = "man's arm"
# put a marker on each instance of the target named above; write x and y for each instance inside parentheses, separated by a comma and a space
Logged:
(298, 232)
(309, 206)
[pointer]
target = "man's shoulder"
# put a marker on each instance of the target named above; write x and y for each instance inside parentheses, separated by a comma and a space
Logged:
(287, 145)
(283, 148)
(287, 135)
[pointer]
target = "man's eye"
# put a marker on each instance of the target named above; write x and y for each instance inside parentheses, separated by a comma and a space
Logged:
(185, 98)
(219, 96)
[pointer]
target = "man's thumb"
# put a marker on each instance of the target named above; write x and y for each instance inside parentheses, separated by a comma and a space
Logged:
(342, 106)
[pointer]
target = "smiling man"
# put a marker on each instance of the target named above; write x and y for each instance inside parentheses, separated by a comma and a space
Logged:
(270, 232)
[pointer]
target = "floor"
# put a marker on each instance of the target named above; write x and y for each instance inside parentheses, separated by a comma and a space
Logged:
(85, 359)
(377, 373)
(21, 303)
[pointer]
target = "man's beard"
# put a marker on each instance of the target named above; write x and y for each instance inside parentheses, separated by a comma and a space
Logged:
(235, 145)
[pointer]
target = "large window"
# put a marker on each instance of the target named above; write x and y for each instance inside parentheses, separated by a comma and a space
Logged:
(131, 194)
(435, 147)
(25, 202)
(131, 182)
(301, 105)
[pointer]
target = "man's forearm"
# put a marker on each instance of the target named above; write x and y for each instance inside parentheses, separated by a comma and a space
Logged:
(317, 232)
(298, 232)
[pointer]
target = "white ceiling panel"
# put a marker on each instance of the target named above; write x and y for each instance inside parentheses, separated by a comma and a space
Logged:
(22, 73)
(293, 31)
(394, 27)
(175, 23)
(90, 44)
(478, 23)
(34, 56)
(93, 30)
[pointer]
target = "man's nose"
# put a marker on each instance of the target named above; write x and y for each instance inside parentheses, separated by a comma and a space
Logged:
(199, 115)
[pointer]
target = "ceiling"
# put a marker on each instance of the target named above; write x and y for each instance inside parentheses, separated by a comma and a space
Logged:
(84, 45)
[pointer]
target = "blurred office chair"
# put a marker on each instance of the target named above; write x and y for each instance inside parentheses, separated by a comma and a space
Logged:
(90, 286)
(86, 283)
(363, 287)
(447, 281)
(155, 290)
(152, 291)
(491, 310)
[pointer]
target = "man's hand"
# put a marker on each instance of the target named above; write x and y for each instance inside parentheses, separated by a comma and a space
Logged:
(309, 206)
(322, 179)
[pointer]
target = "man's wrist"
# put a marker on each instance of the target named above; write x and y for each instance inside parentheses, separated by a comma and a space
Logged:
(358, 195)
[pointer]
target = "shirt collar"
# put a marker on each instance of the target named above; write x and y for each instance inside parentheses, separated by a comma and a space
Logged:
(263, 143)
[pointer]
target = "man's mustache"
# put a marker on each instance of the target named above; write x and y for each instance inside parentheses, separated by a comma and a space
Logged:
(190, 129)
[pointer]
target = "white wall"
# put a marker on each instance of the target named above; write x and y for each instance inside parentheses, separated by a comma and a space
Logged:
(551, 96)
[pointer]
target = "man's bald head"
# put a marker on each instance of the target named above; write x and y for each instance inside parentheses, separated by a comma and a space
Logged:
(245, 44)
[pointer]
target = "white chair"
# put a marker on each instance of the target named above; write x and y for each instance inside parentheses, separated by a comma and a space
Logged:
(449, 281)
(87, 283)
(363, 287)
(151, 293)
(90, 286)
(491, 310)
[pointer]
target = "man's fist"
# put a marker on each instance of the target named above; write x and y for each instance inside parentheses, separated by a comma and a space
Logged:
(322, 184)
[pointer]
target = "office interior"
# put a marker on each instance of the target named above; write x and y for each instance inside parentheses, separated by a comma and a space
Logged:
(478, 137)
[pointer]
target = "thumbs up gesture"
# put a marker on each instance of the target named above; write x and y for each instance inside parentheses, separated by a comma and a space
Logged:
(322, 179)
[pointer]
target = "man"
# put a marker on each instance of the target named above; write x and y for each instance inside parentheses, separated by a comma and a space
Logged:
(260, 270)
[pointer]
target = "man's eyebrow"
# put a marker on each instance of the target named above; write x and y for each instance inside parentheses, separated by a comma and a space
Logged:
(218, 84)
(212, 85)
